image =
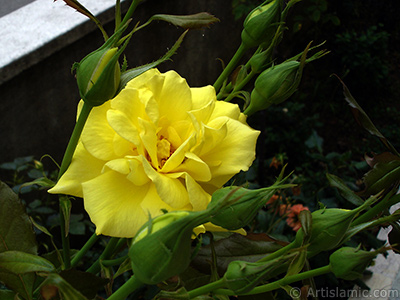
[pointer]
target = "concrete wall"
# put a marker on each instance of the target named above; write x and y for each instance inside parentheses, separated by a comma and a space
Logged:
(37, 111)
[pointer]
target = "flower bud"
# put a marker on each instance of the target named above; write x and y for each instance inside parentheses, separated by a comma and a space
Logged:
(98, 76)
(279, 82)
(235, 207)
(242, 276)
(260, 25)
(274, 86)
(162, 248)
(349, 263)
(239, 206)
(329, 227)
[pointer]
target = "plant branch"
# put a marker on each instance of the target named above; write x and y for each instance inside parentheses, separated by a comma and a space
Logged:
(81, 253)
(230, 67)
(126, 289)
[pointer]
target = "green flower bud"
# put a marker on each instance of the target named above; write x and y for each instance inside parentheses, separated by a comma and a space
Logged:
(239, 206)
(260, 25)
(260, 61)
(277, 83)
(329, 226)
(274, 86)
(349, 263)
(235, 207)
(98, 76)
(242, 276)
(162, 248)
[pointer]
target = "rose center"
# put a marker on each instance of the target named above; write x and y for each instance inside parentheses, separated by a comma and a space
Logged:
(164, 151)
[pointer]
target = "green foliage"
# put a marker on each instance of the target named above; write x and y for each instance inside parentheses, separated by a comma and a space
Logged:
(16, 234)
(365, 53)
(315, 12)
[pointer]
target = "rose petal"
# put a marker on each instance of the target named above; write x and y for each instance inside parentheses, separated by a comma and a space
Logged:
(142, 80)
(197, 196)
(137, 175)
(195, 167)
(123, 126)
(233, 151)
(114, 204)
(71, 182)
(129, 103)
(174, 98)
(202, 96)
(226, 109)
(148, 135)
(175, 160)
(97, 135)
(171, 190)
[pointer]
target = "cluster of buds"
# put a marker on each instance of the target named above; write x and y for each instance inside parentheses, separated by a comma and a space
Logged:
(263, 28)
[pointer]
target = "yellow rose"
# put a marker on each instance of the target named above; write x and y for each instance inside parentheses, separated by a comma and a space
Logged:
(158, 145)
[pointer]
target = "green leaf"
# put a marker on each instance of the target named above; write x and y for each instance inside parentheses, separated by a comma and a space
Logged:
(16, 232)
(381, 177)
(344, 190)
(316, 15)
(384, 157)
(195, 21)
(8, 295)
(124, 267)
(21, 284)
(363, 120)
(60, 261)
(42, 182)
(18, 262)
(86, 283)
(84, 11)
(315, 141)
(363, 226)
(64, 288)
(132, 73)
(297, 263)
(305, 219)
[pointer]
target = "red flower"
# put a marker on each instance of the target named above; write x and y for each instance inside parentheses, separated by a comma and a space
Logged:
(275, 163)
(293, 216)
(273, 199)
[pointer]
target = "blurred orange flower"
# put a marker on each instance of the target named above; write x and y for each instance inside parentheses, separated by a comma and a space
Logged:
(275, 163)
(293, 216)
(273, 199)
